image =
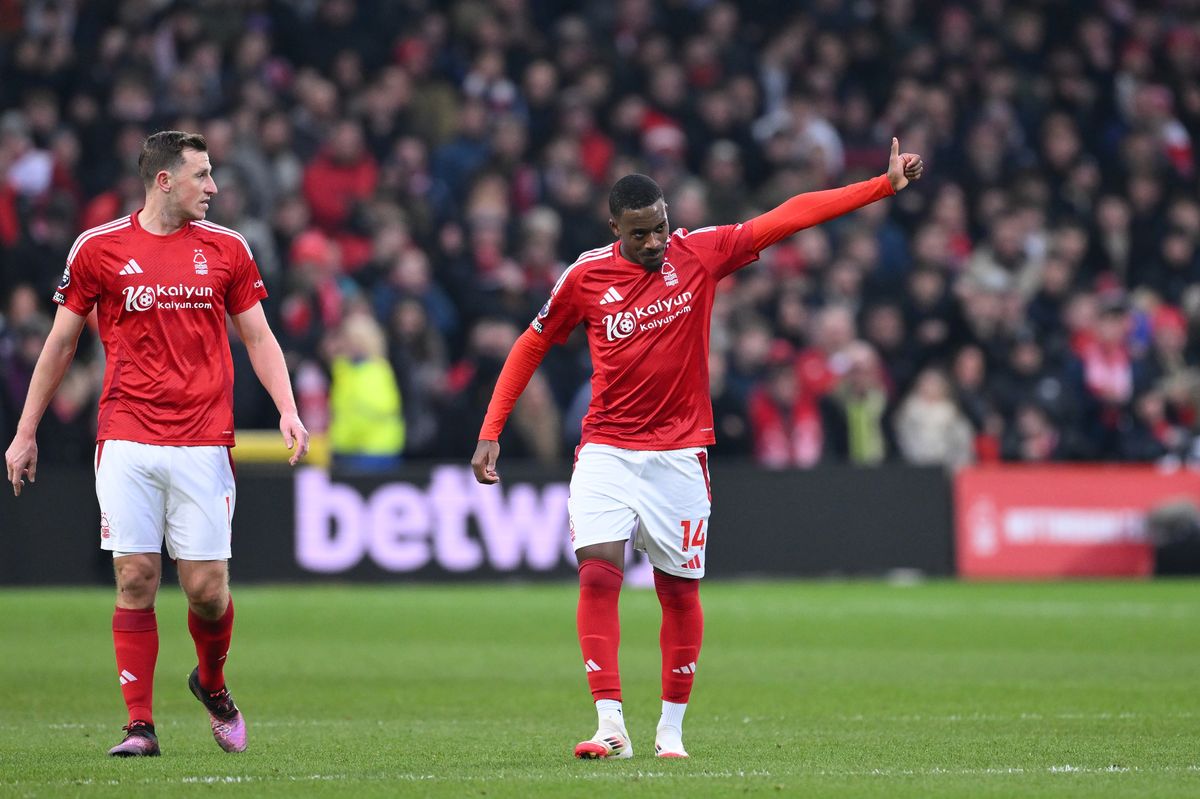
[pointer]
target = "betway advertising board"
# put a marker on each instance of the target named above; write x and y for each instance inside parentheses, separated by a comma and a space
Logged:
(438, 522)
(433, 521)
(1061, 521)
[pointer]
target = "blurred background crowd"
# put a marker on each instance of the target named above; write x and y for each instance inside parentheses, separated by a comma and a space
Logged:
(413, 176)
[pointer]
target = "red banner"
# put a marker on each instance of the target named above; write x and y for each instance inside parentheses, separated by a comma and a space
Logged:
(1061, 521)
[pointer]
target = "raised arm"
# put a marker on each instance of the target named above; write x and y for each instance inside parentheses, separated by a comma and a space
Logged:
(268, 363)
(813, 208)
(527, 353)
(52, 364)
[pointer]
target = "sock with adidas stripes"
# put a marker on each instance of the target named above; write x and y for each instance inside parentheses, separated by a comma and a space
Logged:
(212, 645)
(599, 625)
(135, 639)
(680, 636)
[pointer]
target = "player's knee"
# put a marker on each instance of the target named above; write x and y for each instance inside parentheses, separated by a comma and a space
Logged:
(680, 593)
(137, 585)
(207, 595)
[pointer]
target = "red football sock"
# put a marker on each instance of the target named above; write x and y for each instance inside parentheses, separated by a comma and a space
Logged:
(135, 639)
(212, 645)
(599, 623)
(681, 634)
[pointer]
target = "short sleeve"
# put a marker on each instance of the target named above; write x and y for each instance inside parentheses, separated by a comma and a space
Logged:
(559, 316)
(79, 289)
(246, 286)
(722, 249)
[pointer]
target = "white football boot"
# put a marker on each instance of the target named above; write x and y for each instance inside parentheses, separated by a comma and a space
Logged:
(610, 741)
(668, 742)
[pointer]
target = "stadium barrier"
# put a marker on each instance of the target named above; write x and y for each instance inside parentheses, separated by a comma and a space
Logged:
(435, 522)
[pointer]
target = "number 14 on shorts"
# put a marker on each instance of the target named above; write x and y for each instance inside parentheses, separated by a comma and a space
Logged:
(692, 540)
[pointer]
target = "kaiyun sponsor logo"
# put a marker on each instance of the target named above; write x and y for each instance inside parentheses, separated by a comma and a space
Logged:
(143, 298)
(625, 323)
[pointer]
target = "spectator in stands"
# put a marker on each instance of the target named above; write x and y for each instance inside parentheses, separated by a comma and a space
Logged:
(1102, 374)
(1034, 437)
(969, 371)
(337, 184)
(729, 411)
(366, 423)
(821, 365)
(785, 416)
(535, 419)
(931, 430)
(854, 413)
(313, 298)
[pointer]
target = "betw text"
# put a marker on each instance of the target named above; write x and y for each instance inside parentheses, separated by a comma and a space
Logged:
(455, 524)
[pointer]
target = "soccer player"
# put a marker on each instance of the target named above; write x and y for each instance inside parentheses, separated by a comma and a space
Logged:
(162, 281)
(641, 470)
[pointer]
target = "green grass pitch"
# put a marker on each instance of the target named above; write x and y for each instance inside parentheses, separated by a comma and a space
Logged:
(847, 689)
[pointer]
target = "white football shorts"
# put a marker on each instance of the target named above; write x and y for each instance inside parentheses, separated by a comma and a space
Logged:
(149, 493)
(660, 498)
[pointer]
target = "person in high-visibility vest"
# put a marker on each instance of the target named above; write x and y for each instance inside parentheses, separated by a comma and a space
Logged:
(366, 426)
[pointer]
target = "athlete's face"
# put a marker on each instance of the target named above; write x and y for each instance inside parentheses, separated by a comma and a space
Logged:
(643, 233)
(192, 186)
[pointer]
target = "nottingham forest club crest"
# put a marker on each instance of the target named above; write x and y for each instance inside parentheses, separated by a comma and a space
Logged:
(200, 262)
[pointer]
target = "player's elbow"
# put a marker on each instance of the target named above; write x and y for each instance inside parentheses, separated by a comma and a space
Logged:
(256, 336)
(60, 347)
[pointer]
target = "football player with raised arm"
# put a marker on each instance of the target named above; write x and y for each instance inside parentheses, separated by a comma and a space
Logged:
(641, 470)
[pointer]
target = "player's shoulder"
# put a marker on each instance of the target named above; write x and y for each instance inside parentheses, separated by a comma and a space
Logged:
(706, 240)
(220, 236)
(587, 261)
(592, 257)
(704, 235)
(91, 237)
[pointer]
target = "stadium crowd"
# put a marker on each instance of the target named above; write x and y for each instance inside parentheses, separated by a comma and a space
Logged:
(413, 176)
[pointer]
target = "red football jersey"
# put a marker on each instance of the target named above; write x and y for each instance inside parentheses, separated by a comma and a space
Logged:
(648, 336)
(161, 303)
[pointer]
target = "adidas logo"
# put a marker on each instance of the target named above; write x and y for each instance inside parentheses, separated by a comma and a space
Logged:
(591, 666)
(612, 295)
(688, 669)
(694, 563)
(126, 677)
(131, 268)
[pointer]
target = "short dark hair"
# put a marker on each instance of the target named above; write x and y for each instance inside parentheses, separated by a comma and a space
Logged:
(632, 192)
(164, 150)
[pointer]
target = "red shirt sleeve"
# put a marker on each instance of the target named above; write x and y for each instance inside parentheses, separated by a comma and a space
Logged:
(561, 313)
(722, 249)
(246, 285)
(815, 207)
(79, 288)
(522, 362)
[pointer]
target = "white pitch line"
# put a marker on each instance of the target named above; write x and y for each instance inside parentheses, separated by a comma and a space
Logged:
(621, 775)
(1023, 609)
(969, 717)
(857, 717)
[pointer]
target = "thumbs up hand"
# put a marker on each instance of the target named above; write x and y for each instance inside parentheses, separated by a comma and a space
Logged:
(903, 167)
